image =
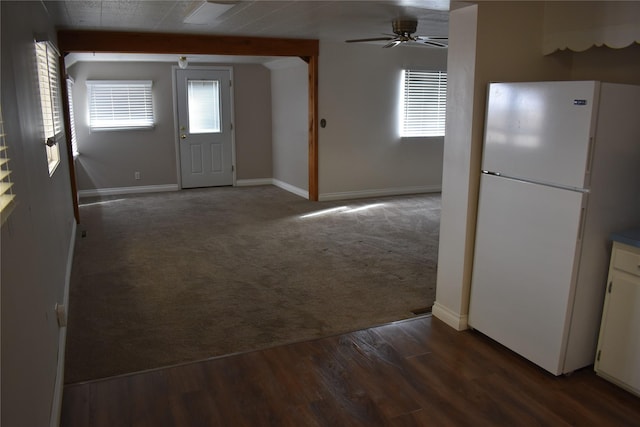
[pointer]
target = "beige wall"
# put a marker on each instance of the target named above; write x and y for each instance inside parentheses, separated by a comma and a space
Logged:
(494, 41)
(459, 164)
(109, 159)
(290, 110)
(609, 65)
(37, 239)
(360, 150)
(252, 94)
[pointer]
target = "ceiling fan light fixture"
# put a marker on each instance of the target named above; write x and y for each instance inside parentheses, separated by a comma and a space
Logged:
(183, 62)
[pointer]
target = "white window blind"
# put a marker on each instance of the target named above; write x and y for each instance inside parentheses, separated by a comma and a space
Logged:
(204, 106)
(72, 118)
(120, 104)
(49, 84)
(425, 101)
(7, 198)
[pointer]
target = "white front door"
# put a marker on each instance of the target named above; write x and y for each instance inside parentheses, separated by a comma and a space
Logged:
(204, 127)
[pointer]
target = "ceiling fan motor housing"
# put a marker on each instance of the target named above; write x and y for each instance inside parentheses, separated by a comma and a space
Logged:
(404, 26)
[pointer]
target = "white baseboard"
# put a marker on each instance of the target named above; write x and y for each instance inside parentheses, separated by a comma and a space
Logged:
(128, 190)
(272, 181)
(291, 188)
(56, 404)
(252, 182)
(457, 321)
(344, 195)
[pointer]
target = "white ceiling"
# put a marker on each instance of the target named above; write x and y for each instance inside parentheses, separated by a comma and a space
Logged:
(302, 19)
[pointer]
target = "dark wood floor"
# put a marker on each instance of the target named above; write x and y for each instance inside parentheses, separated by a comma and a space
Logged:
(413, 373)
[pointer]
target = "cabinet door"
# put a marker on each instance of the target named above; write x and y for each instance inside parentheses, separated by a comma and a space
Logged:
(619, 349)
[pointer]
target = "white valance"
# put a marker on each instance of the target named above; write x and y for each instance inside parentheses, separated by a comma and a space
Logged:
(577, 26)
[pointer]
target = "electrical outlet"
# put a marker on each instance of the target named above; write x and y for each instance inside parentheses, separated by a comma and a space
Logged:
(136, 175)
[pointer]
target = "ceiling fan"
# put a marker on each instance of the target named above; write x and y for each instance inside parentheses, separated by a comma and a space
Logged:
(403, 30)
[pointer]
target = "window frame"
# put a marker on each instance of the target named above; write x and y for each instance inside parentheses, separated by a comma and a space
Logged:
(107, 113)
(48, 63)
(419, 87)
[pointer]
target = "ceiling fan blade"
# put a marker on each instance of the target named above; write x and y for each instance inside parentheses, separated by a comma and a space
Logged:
(431, 41)
(392, 43)
(436, 44)
(377, 39)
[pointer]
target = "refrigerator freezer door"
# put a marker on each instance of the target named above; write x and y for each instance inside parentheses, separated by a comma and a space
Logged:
(524, 267)
(540, 131)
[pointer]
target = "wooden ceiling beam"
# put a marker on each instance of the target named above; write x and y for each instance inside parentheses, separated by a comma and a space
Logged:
(185, 44)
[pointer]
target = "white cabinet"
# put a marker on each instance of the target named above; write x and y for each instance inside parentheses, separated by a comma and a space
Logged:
(618, 355)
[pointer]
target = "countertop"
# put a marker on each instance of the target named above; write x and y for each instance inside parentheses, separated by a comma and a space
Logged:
(629, 237)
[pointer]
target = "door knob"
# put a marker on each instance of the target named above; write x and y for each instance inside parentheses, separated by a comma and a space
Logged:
(183, 136)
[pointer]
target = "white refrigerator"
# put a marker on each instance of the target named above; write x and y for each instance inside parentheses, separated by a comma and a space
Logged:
(560, 172)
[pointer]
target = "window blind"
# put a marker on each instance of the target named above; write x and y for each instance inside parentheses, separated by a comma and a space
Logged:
(7, 198)
(72, 118)
(425, 97)
(204, 106)
(49, 81)
(49, 84)
(120, 105)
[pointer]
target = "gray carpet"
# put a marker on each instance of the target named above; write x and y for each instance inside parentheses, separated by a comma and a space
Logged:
(168, 278)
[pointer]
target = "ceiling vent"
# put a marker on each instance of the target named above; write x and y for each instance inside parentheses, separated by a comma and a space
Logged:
(207, 12)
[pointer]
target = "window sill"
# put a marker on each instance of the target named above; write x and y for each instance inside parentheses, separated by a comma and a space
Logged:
(128, 128)
(52, 167)
(422, 138)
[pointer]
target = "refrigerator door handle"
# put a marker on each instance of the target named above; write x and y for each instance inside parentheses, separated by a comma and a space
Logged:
(583, 212)
(546, 184)
(589, 162)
